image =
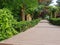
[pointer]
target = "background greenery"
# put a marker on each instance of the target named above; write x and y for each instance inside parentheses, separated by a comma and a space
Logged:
(13, 15)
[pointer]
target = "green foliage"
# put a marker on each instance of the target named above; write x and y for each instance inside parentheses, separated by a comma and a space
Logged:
(9, 27)
(37, 11)
(58, 9)
(55, 21)
(6, 24)
(16, 5)
(23, 25)
(53, 9)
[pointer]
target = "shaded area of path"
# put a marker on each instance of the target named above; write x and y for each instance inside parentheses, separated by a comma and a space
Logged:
(42, 34)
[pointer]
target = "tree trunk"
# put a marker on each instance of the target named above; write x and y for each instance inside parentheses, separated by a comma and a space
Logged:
(55, 14)
(29, 18)
(51, 14)
(23, 15)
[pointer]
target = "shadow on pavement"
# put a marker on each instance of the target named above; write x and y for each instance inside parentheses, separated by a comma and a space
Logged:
(5, 44)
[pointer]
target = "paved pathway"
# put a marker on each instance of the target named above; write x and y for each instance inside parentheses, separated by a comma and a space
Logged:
(42, 34)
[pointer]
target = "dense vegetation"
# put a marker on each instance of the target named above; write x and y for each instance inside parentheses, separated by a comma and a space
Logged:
(13, 16)
(19, 7)
(23, 25)
(6, 24)
(9, 26)
(18, 15)
(55, 21)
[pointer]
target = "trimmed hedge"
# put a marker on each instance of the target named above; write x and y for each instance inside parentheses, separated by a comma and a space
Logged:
(55, 21)
(23, 25)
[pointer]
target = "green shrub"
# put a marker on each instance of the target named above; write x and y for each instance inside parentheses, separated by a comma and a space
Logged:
(23, 25)
(6, 24)
(55, 21)
(10, 27)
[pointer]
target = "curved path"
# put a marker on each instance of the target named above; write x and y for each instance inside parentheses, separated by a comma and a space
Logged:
(42, 34)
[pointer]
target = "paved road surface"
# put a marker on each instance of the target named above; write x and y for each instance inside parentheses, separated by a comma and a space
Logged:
(42, 34)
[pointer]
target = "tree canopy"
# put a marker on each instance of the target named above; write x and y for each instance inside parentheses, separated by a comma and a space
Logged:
(16, 5)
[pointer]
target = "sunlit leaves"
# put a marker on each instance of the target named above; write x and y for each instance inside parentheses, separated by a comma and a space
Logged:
(6, 24)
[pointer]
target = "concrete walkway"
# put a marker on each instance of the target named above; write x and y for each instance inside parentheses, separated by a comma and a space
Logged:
(42, 34)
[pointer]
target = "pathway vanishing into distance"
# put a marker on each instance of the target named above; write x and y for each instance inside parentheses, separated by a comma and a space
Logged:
(42, 34)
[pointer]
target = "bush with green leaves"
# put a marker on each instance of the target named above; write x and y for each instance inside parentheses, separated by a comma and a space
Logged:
(37, 11)
(16, 6)
(23, 25)
(6, 24)
(55, 21)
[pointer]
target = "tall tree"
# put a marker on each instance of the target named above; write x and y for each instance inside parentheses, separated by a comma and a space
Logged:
(16, 6)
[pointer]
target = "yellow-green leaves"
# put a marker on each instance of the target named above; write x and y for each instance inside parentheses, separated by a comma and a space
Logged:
(6, 24)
